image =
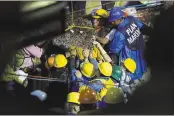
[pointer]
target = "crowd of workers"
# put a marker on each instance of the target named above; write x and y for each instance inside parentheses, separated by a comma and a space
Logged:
(107, 73)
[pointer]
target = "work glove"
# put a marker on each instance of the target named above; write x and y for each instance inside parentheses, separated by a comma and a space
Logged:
(95, 43)
(72, 50)
(22, 79)
(86, 53)
(93, 38)
(102, 93)
(67, 54)
(82, 88)
(78, 74)
(97, 53)
(80, 53)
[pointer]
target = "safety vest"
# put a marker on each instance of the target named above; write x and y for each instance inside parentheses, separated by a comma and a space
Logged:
(91, 5)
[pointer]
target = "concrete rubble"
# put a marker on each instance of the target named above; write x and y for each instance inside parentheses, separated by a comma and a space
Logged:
(81, 37)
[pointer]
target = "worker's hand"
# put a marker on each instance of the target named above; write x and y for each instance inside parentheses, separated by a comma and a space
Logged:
(86, 53)
(80, 53)
(67, 54)
(93, 38)
(22, 79)
(78, 74)
(96, 43)
(21, 73)
(91, 54)
(73, 52)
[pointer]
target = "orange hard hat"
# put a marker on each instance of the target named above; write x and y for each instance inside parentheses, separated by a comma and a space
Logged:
(88, 96)
(50, 61)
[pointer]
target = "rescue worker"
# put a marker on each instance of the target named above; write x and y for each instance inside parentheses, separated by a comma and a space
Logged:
(128, 40)
(22, 62)
(99, 21)
(103, 29)
(72, 106)
(122, 75)
(113, 96)
(96, 83)
(88, 98)
(57, 65)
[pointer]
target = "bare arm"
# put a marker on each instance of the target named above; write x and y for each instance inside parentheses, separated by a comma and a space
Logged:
(107, 38)
(102, 40)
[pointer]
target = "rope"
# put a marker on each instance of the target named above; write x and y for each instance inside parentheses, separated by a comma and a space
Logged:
(41, 78)
(86, 27)
(72, 13)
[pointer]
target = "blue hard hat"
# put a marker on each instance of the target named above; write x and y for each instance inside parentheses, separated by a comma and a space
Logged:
(115, 14)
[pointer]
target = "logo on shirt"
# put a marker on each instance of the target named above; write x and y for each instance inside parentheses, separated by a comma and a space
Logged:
(133, 33)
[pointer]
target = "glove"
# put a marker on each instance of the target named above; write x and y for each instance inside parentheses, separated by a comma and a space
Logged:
(72, 50)
(80, 53)
(22, 73)
(102, 93)
(22, 79)
(93, 53)
(93, 38)
(83, 88)
(97, 53)
(78, 74)
(67, 54)
(86, 53)
(95, 43)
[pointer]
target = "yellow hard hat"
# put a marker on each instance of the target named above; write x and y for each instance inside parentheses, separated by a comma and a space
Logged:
(73, 97)
(100, 13)
(114, 96)
(60, 61)
(87, 69)
(88, 96)
(105, 68)
(130, 64)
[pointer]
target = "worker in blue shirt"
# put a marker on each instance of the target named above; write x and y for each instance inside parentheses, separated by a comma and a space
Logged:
(128, 41)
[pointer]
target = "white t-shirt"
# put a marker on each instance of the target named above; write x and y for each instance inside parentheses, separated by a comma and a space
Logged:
(110, 35)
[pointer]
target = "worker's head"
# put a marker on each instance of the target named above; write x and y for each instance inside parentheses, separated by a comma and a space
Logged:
(88, 98)
(116, 72)
(99, 17)
(57, 61)
(129, 65)
(116, 16)
(73, 97)
(114, 96)
(73, 104)
(87, 69)
(105, 69)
